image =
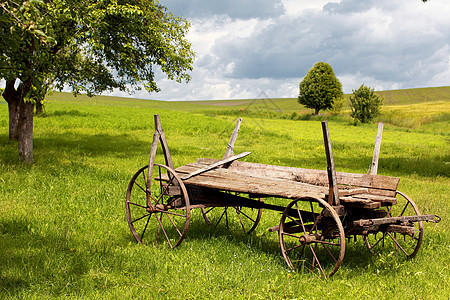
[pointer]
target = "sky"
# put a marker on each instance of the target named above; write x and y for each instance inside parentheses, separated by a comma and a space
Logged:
(263, 48)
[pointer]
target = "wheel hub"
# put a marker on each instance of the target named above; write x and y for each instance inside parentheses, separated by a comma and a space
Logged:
(156, 208)
(310, 238)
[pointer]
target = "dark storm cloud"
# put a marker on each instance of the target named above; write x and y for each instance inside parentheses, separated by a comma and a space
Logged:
(240, 9)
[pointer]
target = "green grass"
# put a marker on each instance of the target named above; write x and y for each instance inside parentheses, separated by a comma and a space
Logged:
(63, 230)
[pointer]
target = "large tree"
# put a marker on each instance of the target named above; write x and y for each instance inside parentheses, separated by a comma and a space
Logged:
(91, 46)
(320, 88)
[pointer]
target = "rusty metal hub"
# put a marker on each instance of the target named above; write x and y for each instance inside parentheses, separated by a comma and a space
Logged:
(309, 238)
(156, 208)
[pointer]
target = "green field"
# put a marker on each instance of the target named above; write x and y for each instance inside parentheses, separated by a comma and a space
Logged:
(63, 229)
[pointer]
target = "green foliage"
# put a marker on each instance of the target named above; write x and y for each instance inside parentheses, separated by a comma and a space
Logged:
(320, 88)
(365, 104)
(91, 46)
(338, 104)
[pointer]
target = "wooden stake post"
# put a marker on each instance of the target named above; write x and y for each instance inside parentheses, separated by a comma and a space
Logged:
(158, 136)
(333, 195)
(230, 146)
(376, 150)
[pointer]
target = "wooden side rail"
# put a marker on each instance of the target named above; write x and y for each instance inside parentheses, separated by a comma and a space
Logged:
(370, 188)
(311, 176)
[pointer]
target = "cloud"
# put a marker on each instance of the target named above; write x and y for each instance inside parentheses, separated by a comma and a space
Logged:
(235, 9)
(380, 41)
(356, 6)
(246, 49)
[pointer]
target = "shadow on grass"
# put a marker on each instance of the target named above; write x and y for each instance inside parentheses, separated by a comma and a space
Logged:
(357, 260)
(74, 147)
(30, 259)
(63, 113)
(265, 242)
(78, 145)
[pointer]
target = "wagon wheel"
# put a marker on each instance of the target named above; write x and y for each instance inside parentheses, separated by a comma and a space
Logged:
(312, 237)
(162, 214)
(245, 217)
(406, 244)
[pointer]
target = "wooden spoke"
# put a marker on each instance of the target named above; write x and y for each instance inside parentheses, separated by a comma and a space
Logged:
(405, 244)
(243, 217)
(302, 247)
(171, 213)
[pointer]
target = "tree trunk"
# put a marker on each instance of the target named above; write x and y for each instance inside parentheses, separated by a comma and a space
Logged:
(25, 129)
(316, 111)
(11, 96)
(20, 117)
(13, 120)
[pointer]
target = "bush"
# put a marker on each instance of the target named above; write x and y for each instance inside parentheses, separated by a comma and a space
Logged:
(365, 104)
(337, 106)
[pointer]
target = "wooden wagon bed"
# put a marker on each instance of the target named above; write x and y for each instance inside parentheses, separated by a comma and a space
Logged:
(261, 180)
(230, 179)
(325, 207)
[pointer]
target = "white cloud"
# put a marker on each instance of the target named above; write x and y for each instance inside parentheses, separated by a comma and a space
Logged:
(384, 44)
(299, 7)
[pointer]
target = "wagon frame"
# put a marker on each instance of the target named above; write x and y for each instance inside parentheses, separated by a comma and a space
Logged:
(325, 207)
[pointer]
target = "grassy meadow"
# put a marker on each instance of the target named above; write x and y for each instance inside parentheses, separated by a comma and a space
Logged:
(63, 228)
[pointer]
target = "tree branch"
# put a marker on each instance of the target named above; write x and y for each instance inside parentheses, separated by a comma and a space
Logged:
(11, 13)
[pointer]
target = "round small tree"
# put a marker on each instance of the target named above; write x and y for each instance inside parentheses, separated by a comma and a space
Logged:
(365, 104)
(320, 88)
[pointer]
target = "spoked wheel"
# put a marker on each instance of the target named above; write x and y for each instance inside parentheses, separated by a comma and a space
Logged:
(159, 213)
(245, 218)
(407, 243)
(312, 237)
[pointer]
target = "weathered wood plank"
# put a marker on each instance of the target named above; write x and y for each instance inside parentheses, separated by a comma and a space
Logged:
(158, 136)
(357, 202)
(311, 176)
(230, 146)
(409, 230)
(333, 197)
(162, 139)
(351, 192)
(377, 198)
(393, 220)
(381, 192)
(224, 179)
(376, 150)
(215, 165)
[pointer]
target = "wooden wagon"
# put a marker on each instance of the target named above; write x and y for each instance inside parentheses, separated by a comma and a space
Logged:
(324, 208)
